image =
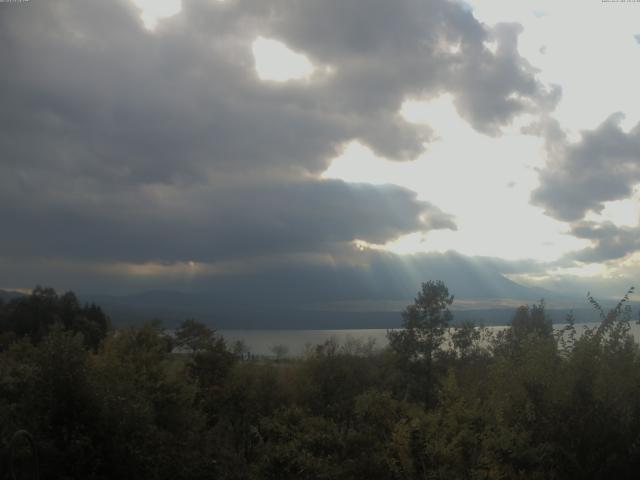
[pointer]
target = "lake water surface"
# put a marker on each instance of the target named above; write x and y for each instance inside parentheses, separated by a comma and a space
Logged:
(261, 342)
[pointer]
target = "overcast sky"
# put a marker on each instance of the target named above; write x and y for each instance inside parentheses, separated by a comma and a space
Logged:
(152, 144)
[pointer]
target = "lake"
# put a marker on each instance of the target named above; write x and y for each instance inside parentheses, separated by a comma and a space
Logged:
(261, 342)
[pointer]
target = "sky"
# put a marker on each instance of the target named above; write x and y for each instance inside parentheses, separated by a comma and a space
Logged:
(331, 151)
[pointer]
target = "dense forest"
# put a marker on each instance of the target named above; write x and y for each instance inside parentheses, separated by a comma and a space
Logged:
(440, 402)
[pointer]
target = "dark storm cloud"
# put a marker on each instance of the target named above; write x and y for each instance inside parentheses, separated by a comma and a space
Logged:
(208, 224)
(609, 241)
(118, 143)
(385, 51)
(603, 166)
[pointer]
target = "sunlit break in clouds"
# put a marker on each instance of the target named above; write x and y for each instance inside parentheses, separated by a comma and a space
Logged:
(275, 61)
(153, 11)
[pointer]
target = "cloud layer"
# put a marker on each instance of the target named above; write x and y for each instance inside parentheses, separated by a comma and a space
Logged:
(604, 165)
(122, 145)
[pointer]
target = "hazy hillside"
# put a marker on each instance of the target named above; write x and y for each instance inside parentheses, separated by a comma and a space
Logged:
(355, 300)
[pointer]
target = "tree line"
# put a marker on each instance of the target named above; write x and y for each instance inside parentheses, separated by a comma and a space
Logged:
(529, 402)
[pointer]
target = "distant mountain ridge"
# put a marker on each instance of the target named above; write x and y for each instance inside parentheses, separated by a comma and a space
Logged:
(367, 295)
(7, 295)
(225, 311)
(171, 307)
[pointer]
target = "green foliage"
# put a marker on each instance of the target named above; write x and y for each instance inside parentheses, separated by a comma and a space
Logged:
(32, 317)
(439, 403)
(145, 406)
(280, 351)
(300, 446)
(530, 326)
(531, 321)
(194, 336)
(419, 342)
(424, 323)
